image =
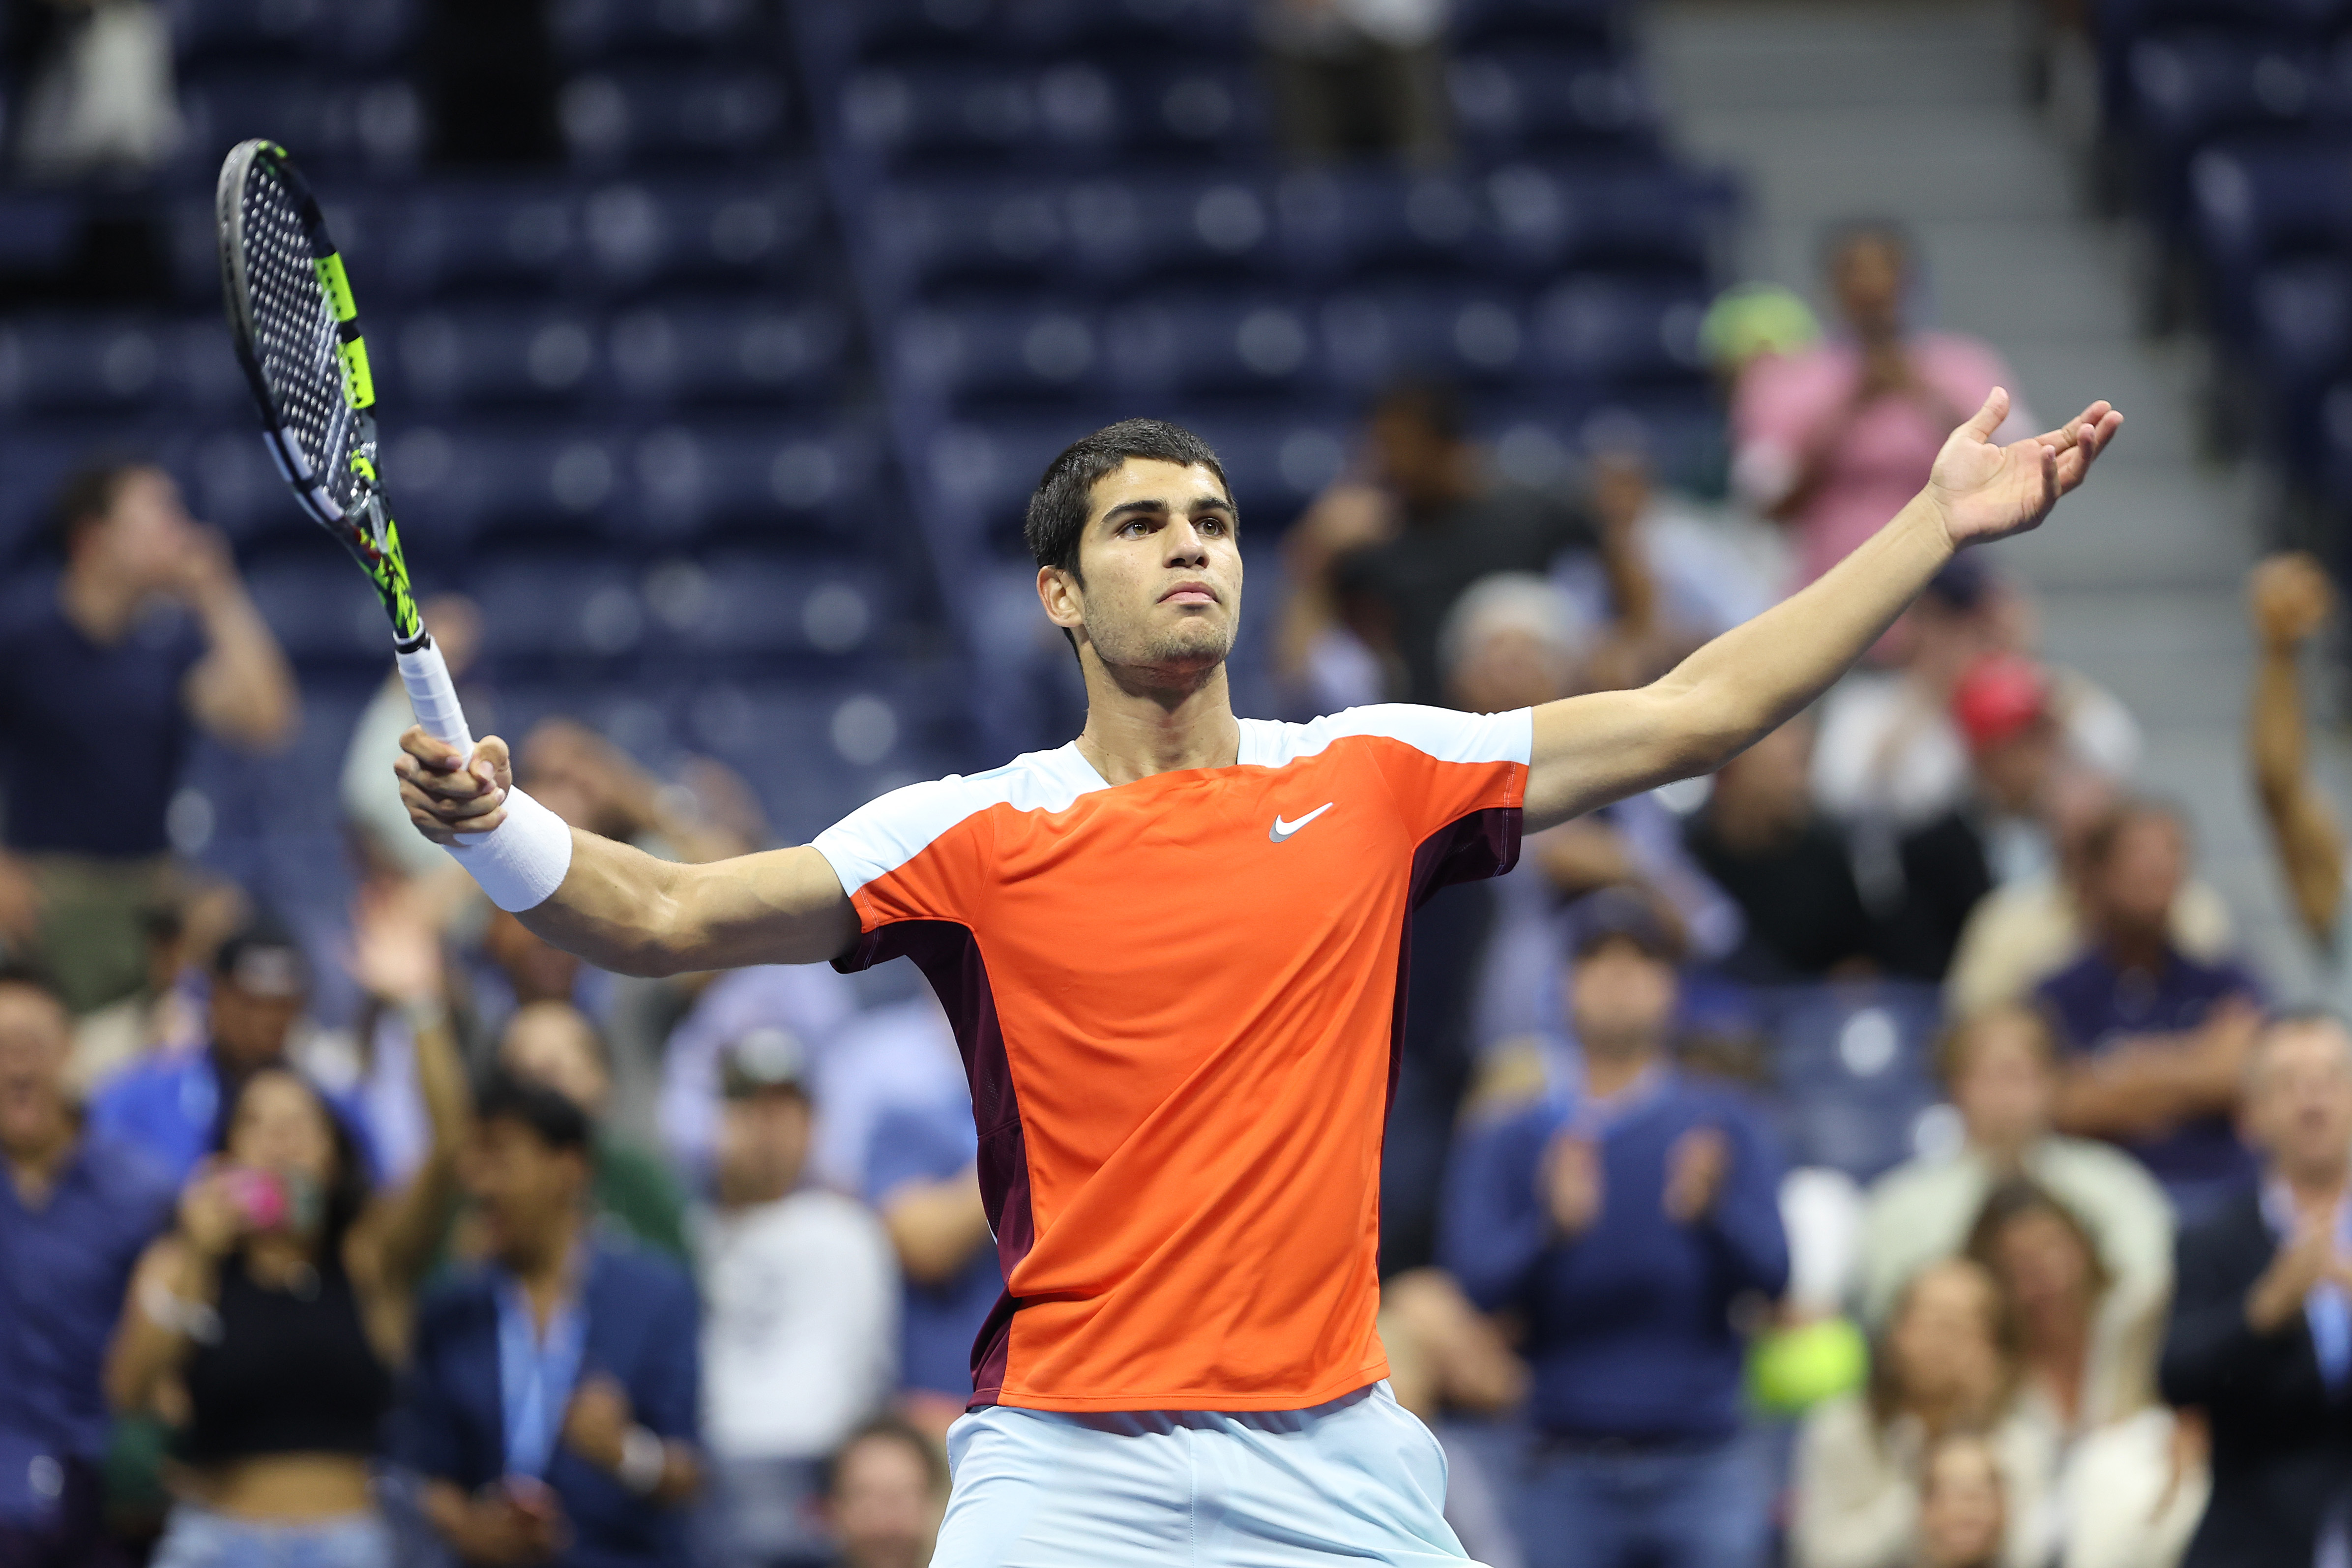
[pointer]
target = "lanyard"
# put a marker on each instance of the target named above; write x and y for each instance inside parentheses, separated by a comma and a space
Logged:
(535, 1375)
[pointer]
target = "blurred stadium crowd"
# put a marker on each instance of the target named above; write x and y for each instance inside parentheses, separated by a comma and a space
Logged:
(1786, 1166)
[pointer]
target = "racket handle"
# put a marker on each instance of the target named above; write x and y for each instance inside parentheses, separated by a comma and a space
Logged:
(434, 697)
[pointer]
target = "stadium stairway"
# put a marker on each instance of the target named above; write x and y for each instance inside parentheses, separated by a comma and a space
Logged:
(1918, 112)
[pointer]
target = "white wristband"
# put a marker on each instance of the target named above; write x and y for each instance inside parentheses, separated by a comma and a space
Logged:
(523, 862)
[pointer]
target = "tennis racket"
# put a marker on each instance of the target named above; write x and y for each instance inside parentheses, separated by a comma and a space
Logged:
(297, 335)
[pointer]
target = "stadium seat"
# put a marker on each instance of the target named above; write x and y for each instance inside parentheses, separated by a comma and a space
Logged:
(1453, 332)
(1242, 344)
(739, 479)
(2255, 202)
(1549, 218)
(1277, 455)
(459, 487)
(557, 610)
(739, 351)
(1527, 102)
(1157, 231)
(973, 476)
(740, 611)
(2301, 342)
(491, 357)
(1478, 24)
(449, 238)
(2189, 87)
(1368, 223)
(369, 127)
(645, 234)
(1850, 1063)
(68, 361)
(592, 32)
(699, 115)
(1613, 331)
(1075, 113)
(1015, 353)
(326, 616)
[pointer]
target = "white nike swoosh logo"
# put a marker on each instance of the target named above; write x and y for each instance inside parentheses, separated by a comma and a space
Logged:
(1283, 829)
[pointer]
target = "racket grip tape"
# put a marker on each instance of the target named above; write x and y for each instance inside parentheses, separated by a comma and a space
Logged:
(524, 860)
(434, 697)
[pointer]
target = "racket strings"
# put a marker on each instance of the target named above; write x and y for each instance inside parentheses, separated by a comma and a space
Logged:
(294, 334)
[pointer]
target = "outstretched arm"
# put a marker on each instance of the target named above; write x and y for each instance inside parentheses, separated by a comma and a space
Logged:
(1591, 750)
(620, 907)
(2290, 598)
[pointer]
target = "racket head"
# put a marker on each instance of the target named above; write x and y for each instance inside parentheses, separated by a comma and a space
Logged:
(297, 331)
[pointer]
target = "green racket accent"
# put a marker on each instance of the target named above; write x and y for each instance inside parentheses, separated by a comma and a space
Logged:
(359, 382)
(388, 570)
(338, 286)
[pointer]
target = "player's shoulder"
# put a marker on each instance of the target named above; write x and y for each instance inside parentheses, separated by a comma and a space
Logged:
(1440, 733)
(893, 828)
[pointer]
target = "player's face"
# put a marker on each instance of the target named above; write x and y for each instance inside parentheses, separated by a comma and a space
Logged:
(1159, 585)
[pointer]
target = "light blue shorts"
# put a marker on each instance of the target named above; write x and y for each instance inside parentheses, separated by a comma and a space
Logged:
(1358, 1479)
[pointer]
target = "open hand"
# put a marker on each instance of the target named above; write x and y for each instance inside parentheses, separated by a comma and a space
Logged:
(395, 953)
(511, 1523)
(1985, 492)
(1695, 1167)
(596, 1424)
(2290, 597)
(1571, 1185)
(447, 795)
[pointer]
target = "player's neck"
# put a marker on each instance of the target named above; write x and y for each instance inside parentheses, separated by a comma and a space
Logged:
(1137, 729)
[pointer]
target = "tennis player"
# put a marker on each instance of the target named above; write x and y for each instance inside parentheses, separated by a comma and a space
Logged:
(1171, 950)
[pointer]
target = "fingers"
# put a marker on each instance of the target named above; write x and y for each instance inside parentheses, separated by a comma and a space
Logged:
(1988, 418)
(446, 797)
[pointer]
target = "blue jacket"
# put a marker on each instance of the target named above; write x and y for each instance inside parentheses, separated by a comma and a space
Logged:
(643, 1329)
(1629, 1327)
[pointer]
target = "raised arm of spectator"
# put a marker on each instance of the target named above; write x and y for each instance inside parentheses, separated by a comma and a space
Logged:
(2142, 1087)
(396, 958)
(242, 691)
(172, 1305)
(625, 910)
(1598, 748)
(2289, 598)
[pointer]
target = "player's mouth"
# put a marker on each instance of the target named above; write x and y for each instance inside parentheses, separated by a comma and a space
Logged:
(1189, 593)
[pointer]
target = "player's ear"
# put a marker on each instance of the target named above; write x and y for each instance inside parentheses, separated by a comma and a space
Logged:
(1059, 591)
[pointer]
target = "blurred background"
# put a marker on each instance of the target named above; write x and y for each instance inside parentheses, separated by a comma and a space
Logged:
(719, 344)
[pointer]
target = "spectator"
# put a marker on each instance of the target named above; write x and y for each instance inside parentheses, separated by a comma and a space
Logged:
(270, 1324)
(923, 1178)
(169, 1106)
(2084, 1349)
(809, 1001)
(74, 1212)
(1453, 526)
(2027, 929)
(1963, 1513)
(98, 100)
(801, 1336)
(1622, 1223)
(2157, 1039)
(550, 1410)
(554, 1044)
(166, 1012)
(102, 690)
(1945, 1363)
(1787, 866)
(886, 1492)
(2261, 1333)
(2291, 599)
(1357, 77)
(1833, 439)
(2000, 1069)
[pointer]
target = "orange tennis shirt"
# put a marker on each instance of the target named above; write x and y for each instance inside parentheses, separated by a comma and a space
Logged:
(1179, 1004)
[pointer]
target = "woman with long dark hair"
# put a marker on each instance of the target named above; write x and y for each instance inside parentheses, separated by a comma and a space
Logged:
(267, 1326)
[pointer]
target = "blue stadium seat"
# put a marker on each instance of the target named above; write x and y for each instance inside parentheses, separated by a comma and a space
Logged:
(558, 610)
(1365, 223)
(2301, 342)
(1523, 102)
(932, 234)
(1483, 22)
(2256, 203)
(373, 126)
(973, 476)
(1277, 457)
(326, 616)
(2186, 88)
(1613, 332)
(247, 32)
(486, 236)
(909, 30)
(738, 351)
(491, 357)
(955, 356)
(646, 234)
(1075, 113)
(68, 361)
(1852, 1066)
(597, 31)
(740, 611)
(1247, 343)
(1548, 219)
(1461, 333)
(699, 115)
(459, 487)
(765, 480)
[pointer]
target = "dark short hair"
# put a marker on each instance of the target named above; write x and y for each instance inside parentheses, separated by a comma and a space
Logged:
(1434, 406)
(87, 495)
(562, 1126)
(892, 1429)
(2099, 844)
(1057, 511)
(1957, 1044)
(31, 974)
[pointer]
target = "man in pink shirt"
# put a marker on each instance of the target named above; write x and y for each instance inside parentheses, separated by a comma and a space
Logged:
(1832, 438)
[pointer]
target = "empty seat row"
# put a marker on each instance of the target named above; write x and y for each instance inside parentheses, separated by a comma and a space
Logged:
(1588, 331)
(384, 31)
(1112, 234)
